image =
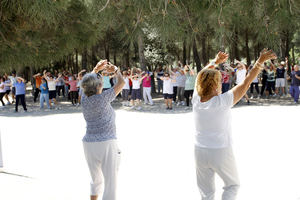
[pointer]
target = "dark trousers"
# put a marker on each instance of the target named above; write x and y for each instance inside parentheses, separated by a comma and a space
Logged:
(159, 86)
(263, 87)
(74, 96)
(294, 91)
(225, 87)
(271, 87)
(20, 97)
(187, 95)
(256, 88)
(174, 93)
(1, 98)
(36, 94)
(60, 89)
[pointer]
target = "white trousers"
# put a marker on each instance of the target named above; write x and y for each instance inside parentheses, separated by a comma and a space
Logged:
(147, 95)
(103, 159)
(222, 162)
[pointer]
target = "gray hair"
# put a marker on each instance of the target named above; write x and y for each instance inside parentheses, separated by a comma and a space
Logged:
(90, 84)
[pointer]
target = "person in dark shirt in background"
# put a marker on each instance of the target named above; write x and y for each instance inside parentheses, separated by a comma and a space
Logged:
(280, 80)
(294, 89)
(264, 80)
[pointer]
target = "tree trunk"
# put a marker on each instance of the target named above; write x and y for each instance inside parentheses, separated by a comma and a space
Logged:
(247, 48)
(189, 54)
(141, 52)
(203, 45)
(76, 61)
(293, 53)
(126, 55)
(235, 46)
(287, 44)
(196, 56)
(184, 53)
(84, 59)
(106, 51)
(94, 58)
(115, 58)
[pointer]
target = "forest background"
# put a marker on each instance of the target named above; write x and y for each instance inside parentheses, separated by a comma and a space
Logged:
(75, 34)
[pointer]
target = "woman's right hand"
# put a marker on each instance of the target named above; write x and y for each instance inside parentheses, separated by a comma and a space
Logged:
(100, 66)
(266, 55)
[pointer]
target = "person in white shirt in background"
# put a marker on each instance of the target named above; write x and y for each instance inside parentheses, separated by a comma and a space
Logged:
(79, 80)
(180, 81)
(212, 118)
(168, 90)
(13, 80)
(51, 81)
(7, 87)
(126, 88)
(241, 73)
(136, 90)
(253, 85)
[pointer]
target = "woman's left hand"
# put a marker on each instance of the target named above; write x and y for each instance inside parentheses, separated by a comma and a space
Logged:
(221, 57)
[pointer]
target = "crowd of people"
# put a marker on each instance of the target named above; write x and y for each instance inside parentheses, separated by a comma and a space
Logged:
(175, 84)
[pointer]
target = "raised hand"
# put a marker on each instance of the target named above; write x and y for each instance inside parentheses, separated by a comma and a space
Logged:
(100, 66)
(111, 68)
(221, 57)
(266, 55)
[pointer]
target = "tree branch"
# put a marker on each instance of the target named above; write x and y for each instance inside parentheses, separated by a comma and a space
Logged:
(104, 6)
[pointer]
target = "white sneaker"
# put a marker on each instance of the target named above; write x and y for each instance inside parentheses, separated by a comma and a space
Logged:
(251, 97)
(178, 104)
(183, 103)
(139, 108)
(8, 103)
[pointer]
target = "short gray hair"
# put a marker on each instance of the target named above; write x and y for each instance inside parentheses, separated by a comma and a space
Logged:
(90, 84)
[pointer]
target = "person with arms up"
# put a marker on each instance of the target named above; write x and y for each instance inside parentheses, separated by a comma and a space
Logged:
(212, 118)
(294, 88)
(100, 141)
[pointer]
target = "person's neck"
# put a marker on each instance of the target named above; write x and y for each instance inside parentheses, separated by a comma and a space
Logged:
(208, 97)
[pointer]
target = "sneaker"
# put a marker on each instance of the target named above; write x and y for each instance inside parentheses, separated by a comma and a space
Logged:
(274, 95)
(139, 108)
(8, 103)
(171, 108)
(251, 97)
(178, 103)
(183, 103)
(167, 108)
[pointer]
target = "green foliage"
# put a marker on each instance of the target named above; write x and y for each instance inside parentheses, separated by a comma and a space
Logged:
(40, 33)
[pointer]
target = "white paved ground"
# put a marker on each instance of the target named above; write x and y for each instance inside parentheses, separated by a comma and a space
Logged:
(157, 156)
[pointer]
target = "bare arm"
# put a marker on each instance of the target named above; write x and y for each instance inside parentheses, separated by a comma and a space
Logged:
(100, 66)
(298, 77)
(220, 58)
(240, 90)
(120, 83)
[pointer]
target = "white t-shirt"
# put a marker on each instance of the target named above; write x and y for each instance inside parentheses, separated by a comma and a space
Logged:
(2, 90)
(213, 120)
(51, 85)
(240, 76)
(135, 84)
(126, 86)
(168, 86)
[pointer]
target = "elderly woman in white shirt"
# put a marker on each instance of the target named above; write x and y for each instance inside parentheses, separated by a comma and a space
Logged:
(212, 115)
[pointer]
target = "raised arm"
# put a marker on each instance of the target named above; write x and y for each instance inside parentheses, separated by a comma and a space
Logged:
(120, 83)
(240, 90)
(101, 65)
(221, 57)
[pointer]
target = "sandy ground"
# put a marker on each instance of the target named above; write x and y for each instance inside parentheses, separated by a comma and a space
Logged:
(157, 152)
